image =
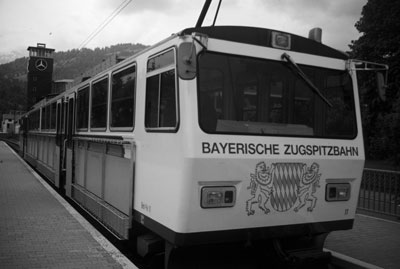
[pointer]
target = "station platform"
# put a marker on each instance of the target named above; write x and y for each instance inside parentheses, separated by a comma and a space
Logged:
(373, 241)
(39, 229)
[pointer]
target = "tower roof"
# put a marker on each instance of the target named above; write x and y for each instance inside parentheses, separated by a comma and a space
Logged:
(40, 51)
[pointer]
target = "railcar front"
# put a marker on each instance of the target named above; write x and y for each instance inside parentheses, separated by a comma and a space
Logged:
(270, 137)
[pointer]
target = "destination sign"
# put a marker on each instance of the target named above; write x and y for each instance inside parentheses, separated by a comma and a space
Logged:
(277, 149)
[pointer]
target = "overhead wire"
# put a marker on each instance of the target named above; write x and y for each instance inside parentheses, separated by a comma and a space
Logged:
(115, 13)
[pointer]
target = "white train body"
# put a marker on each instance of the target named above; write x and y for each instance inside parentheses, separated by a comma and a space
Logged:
(248, 149)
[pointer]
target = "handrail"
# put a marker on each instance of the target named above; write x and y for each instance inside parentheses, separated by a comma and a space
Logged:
(382, 170)
(102, 140)
(380, 191)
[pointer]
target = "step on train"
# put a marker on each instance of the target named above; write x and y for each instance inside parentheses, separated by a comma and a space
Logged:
(216, 136)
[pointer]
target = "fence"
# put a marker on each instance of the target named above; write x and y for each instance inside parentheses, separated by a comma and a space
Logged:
(380, 192)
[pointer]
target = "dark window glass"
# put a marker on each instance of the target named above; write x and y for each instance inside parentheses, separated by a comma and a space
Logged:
(168, 106)
(161, 61)
(122, 98)
(58, 117)
(37, 120)
(34, 119)
(29, 122)
(48, 116)
(243, 95)
(43, 119)
(82, 109)
(152, 103)
(340, 120)
(161, 104)
(98, 118)
(53, 116)
(70, 120)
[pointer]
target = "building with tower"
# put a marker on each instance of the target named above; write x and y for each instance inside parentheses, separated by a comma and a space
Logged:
(40, 73)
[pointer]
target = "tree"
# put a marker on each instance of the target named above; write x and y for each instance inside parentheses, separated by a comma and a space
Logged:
(380, 42)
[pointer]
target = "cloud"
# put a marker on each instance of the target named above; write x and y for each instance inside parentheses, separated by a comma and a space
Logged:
(310, 10)
(26, 22)
(137, 6)
(336, 18)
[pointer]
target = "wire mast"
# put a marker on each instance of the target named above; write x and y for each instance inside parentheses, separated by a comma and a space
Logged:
(204, 11)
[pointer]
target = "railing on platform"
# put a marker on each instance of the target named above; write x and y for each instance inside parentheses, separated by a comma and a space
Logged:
(380, 192)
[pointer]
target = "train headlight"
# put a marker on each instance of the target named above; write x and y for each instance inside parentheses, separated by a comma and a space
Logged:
(337, 192)
(212, 196)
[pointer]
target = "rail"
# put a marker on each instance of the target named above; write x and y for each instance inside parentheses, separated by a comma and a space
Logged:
(380, 192)
(11, 140)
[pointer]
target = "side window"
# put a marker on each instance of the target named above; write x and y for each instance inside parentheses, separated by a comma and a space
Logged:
(35, 120)
(43, 119)
(122, 99)
(161, 93)
(82, 110)
(98, 115)
(53, 116)
(48, 118)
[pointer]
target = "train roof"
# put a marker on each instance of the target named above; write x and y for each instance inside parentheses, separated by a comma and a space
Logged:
(263, 37)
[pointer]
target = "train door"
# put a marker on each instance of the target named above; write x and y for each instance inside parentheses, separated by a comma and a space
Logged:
(60, 136)
(69, 143)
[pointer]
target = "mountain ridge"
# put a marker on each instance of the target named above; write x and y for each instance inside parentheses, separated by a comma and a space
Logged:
(69, 64)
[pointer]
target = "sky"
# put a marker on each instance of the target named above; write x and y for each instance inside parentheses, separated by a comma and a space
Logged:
(66, 24)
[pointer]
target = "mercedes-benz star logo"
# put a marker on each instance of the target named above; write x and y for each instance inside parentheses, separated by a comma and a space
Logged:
(41, 64)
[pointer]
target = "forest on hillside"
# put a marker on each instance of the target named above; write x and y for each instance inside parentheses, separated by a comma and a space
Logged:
(67, 65)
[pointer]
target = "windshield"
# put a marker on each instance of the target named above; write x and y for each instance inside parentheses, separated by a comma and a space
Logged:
(242, 95)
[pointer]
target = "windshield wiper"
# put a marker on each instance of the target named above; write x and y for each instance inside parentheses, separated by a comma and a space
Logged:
(301, 74)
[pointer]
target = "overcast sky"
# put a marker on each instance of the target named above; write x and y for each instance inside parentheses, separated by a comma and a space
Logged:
(66, 24)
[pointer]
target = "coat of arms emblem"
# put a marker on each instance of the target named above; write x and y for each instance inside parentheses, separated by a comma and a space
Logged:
(283, 186)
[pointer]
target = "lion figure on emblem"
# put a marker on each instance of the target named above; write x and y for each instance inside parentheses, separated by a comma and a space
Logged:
(260, 188)
(308, 184)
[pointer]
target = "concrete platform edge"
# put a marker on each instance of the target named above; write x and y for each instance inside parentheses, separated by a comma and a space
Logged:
(344, 261)
(110, 248)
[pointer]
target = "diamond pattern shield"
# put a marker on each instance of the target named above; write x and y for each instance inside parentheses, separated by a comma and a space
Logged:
(285, 182)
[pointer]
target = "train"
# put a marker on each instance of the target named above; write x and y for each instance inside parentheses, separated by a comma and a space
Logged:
(216, 135)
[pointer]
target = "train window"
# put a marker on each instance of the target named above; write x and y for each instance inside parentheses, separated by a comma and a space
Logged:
(48, 116)
(28, 121)
(37, 119)
(161, 61)
(82, 109)
(34, 120)
(58, 130)
(340, 119)
(98, 115)
(31, 121)
(70, 120)
(161, 108)
(53, 116)
(242, 95)
(122, 99)
(161, 93)
(303, 104)
(41, 118)
(58, 117)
